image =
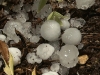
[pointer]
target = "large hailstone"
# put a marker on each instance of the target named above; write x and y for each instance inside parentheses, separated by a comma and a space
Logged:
(68, 55)
(84, 4)
(44, 51)
(16, 53)
(50, 30)
(71, 36)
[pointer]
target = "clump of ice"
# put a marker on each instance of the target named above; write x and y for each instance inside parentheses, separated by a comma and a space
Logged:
(2, 37)
(32, 58)
(55, 67)
(84, 4)
(27, 7)
(79, 22)
(50, 73)
(71, 36)
(9, 29)
(44, 51)
(68, 56)
(50, 30)
(16, 53)
(34, 39)
(17, 8)
(45, 11)
(22, 17)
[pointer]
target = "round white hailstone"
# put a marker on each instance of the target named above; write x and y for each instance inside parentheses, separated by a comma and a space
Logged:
(68, 54)
(50, 73)
(32, 58)
(50, 30)
(84, 4)
(45, 70)
(55, 67)
(65, 24)
(70, 64)
(35, 39)
(44, 51)
(16, 53)
(2, 37)
(71, 36)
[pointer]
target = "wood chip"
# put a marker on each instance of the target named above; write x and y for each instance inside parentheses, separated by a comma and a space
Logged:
(83, 59)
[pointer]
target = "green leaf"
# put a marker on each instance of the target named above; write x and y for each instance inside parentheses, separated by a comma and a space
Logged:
(41, 4)
(55, 16)
(8, 69)
(58, 15)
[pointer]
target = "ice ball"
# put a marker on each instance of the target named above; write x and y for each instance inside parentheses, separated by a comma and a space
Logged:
(71, 36)
(44, 51)
(68, 55)
(50, 30)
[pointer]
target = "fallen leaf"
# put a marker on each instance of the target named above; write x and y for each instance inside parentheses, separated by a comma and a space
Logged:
(34, 71)
(4, 51)
(8, 69)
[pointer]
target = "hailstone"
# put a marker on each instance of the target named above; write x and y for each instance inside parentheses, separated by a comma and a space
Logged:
(84, 4)
(50, 30)
(16, 53)
(71, 36)
(65, 24)
(68, 55)
(50, 73)
(2, 37)
(32, 58)
(44, 51)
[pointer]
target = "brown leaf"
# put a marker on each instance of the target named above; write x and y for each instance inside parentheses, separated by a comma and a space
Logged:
(4, 51)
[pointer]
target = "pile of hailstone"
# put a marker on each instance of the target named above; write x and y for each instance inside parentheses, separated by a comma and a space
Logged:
(50, 30)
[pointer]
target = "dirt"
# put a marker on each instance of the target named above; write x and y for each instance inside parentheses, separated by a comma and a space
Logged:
(90, 38)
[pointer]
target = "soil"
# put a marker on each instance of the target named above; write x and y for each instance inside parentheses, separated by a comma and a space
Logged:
(90, 38)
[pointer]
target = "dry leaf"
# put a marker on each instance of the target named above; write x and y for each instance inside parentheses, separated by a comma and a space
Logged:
(4, 51)
(9, 68)
(34, 71)
(83, 59)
